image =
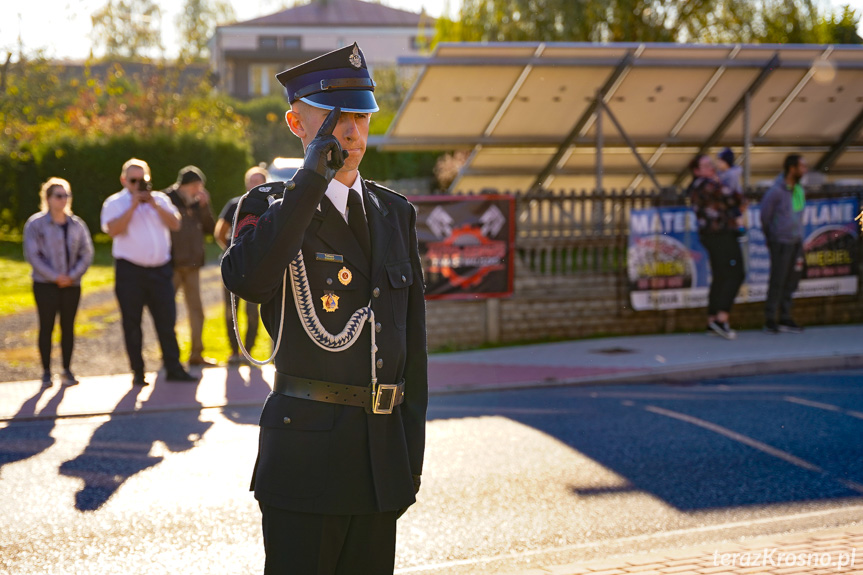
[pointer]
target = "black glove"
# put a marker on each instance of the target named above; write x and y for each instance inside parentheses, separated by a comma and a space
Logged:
(324, 155)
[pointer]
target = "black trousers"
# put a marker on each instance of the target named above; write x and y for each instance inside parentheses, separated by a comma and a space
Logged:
(311, 544)
(51, 299)
(784, 277)
(726, 266)
(136, 287)
(252, 320)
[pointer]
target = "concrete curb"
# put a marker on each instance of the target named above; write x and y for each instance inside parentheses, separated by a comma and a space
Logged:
(713, 370)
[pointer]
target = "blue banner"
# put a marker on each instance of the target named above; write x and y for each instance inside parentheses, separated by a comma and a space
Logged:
(668, 267)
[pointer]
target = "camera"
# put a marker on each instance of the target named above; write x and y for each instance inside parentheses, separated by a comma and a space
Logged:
(145, 185)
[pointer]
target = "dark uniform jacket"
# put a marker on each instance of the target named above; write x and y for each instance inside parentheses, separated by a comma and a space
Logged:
(320, 457)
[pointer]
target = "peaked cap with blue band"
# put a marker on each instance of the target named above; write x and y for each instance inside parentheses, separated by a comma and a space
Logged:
(338, 78)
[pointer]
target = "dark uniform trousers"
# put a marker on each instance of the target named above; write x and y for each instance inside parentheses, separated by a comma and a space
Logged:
(136, 287)
(331, 478)
(314, 544)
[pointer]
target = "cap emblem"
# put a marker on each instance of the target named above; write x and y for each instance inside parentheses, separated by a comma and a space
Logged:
(355, 59)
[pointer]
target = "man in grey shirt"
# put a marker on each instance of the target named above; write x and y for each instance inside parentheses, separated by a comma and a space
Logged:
(782, 223)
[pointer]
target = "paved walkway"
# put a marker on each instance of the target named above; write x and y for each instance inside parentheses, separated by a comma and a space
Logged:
(824, 551)
(586, 362)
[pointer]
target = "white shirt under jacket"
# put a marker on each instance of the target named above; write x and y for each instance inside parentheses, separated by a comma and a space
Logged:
(147, 240)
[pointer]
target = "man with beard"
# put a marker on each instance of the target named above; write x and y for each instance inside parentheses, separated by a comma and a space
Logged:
(782, 223)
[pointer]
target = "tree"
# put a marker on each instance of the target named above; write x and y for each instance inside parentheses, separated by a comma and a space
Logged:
(197, 22)
(727, 21)
(127, 28)
(842, 28)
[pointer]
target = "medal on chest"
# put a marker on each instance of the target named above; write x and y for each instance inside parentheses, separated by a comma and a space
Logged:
(345, 276)
(330, 301)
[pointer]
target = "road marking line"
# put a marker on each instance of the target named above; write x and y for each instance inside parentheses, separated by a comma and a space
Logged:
(825, 406)
(753, 443)
(633, 539)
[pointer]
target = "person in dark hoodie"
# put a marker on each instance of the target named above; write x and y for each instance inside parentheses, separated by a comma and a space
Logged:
(187, 250)
(782, 223)
(717, 210)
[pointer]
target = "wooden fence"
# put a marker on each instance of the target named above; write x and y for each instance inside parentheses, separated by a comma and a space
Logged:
(571, 276)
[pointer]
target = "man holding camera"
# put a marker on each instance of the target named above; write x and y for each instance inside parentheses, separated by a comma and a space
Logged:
(191, 198)
(140, 223)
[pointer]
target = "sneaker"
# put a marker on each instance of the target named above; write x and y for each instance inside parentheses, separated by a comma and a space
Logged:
(202, 362)
(180, 374)
(46, 379)
(789, 326)
(722, 330)
(138, 379)
(709, 330)
(68, 378)
(770, 327)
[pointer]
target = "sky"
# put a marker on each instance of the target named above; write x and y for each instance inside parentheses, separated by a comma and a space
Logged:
(62, 27)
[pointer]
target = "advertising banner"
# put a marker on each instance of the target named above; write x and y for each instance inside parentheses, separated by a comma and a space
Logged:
(466, 245)
(669, 268)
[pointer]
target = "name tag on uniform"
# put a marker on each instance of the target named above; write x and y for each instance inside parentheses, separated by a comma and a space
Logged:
(321, 257)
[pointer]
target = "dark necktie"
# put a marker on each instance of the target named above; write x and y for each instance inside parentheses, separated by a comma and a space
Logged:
(357, 222)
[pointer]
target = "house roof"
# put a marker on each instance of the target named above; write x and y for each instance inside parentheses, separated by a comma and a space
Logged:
(341, 13)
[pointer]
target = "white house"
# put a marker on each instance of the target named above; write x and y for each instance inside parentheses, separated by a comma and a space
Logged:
(247, 55)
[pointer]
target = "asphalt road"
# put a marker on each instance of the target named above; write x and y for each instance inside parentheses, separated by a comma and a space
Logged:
(512, 479)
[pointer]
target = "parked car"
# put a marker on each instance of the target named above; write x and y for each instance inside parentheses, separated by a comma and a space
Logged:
(283, 169)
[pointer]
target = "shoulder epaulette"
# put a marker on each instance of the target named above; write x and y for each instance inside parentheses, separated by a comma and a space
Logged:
(257, 200)
(377, 186)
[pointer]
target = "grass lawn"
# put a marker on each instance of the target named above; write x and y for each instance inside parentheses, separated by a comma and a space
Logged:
(90, 322)
(18, 285)
(215, 336)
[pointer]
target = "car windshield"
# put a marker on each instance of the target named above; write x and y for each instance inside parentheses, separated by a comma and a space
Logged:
(283, 169)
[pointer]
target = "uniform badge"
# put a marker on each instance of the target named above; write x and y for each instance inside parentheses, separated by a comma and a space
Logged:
(345, 276)
(322, 257)
(331, 301)
(355, 59)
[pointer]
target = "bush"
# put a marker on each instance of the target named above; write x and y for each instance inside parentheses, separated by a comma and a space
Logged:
(268, 133)
(93, 170)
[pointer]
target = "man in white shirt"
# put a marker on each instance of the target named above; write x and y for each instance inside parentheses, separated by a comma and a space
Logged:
(140, 222)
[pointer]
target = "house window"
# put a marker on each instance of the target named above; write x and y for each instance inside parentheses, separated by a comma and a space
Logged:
(419, 43)
(291, 43)
(268, 42)
(262, 80)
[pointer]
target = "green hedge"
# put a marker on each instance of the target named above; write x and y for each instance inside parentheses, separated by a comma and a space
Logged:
(93, 170)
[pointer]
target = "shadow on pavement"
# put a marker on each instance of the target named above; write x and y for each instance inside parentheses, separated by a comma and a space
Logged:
(121, 446)
(21, 441)
(242, 390)
(704, 446)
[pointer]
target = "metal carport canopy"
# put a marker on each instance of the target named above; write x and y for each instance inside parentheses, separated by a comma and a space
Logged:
(579, 116)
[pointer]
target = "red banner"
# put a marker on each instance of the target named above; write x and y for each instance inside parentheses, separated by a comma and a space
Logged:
(466, 244)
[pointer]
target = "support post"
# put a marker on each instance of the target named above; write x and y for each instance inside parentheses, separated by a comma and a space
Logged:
(747, 140)
(599, 142)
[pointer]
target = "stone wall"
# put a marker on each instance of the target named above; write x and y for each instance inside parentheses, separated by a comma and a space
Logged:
(553, 307)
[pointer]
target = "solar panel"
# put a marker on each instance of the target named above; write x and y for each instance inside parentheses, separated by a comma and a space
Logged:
(528, 111)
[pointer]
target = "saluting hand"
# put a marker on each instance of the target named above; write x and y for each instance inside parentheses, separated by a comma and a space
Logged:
(324, 155)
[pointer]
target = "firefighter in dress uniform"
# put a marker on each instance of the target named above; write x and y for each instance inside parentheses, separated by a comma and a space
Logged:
(333, 260)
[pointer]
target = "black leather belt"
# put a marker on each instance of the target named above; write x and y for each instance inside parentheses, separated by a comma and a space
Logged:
(385, 396)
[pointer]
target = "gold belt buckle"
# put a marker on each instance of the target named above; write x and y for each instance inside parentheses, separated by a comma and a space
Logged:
(384, 399)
